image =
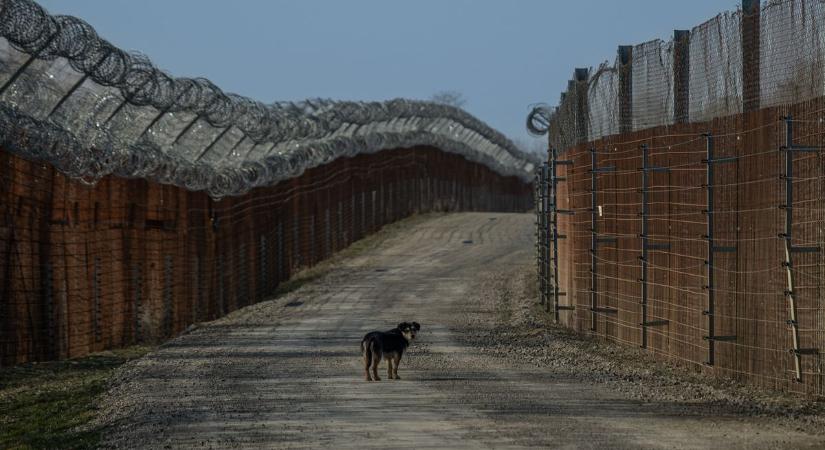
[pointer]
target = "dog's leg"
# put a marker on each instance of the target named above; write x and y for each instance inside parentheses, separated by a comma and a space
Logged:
(367, 351)
(389, 367)
(395, 366)
(376, 358)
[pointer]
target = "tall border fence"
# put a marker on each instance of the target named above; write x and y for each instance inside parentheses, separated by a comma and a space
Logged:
(83, 269)
(134, 203)
(682, 206)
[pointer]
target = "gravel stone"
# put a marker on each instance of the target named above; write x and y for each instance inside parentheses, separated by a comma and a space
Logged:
(488, 369)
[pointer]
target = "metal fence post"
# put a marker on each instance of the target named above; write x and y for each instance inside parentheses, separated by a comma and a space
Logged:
(242, 271)
(712, 249)
(373, 218)
(137, 281)
(596, 239)
(787, 236)
(48, 302)
(263, 268)
(312, 244)
(341, 242)
(363, 224)
(625, 88)
(750, 39)
(280, 237)
(196, 274)
(542, 239)
(167, 295)
(353, 218)
(327, 234)
(647, 244)
(219, 273)
(554, 221)
(681, 75)
(296, 246)
(96, 298)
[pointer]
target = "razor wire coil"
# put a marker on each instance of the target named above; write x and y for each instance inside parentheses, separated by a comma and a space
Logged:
(93, 109)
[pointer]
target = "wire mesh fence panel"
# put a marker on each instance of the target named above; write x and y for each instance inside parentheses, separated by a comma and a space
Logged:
(791, 51)
(652, 91)
(694, 205)
(676, 244)
(603, 103)
(716, 68)
(134, 203)
(125, 261)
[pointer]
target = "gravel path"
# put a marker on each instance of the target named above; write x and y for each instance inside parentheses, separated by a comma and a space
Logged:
(487, 372)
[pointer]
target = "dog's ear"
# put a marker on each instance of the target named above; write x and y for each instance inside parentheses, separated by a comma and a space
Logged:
(403, 325)
(416, 326)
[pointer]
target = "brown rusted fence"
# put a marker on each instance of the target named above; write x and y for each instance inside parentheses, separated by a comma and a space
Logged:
(702, 243)
(83, 269)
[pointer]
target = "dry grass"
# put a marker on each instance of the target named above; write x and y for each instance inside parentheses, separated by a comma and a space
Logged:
(49, 405)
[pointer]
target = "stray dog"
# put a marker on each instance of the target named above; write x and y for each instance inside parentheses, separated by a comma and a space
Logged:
(387, 344)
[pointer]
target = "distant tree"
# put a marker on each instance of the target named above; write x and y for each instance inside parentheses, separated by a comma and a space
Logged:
(452, 98)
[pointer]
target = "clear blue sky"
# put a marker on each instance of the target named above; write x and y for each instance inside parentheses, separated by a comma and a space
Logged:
(501, 54)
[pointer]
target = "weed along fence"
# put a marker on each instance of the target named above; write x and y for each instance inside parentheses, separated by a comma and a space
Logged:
(690, 223)
(133, 203)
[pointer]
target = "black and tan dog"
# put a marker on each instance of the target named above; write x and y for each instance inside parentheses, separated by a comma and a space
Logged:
(387, 344)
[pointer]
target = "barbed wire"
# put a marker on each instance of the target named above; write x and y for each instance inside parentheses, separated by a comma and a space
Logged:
(114, 112)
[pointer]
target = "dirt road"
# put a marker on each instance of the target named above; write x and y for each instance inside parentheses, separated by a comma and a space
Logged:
(287, 374)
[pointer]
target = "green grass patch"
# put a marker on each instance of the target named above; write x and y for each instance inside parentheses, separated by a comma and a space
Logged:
(50, 405)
